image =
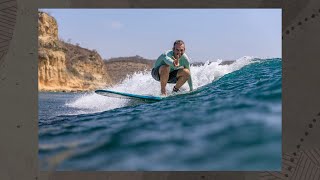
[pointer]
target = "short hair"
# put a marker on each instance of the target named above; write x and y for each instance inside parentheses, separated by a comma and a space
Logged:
(178, 42)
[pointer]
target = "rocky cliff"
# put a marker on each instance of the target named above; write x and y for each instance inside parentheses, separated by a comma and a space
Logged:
(66, 67)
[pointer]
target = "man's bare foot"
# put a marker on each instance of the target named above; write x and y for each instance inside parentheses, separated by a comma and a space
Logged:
(163, 93)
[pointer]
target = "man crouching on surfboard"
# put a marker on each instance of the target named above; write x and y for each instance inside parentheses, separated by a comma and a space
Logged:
(173, 67)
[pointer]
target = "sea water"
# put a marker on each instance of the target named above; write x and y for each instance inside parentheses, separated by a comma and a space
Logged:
(232, 121)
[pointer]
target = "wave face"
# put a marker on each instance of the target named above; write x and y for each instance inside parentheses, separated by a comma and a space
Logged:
(232, 121)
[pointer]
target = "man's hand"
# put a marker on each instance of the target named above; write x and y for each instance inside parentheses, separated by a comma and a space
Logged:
(175, 61)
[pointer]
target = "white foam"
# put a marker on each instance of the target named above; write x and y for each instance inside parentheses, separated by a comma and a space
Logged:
(91, 102)
(143, 83)
(211, 71)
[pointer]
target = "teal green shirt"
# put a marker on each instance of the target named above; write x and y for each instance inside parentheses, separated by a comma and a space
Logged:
(166, 58)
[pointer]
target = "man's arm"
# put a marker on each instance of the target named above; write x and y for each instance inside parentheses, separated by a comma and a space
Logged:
(190, 78)
(167, 59)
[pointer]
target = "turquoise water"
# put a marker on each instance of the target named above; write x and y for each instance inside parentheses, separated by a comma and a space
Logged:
(231, 122)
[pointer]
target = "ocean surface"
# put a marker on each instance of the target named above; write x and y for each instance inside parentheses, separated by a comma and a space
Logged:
(231, 121)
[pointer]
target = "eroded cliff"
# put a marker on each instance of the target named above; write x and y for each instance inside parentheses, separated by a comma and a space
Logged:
(66, 67)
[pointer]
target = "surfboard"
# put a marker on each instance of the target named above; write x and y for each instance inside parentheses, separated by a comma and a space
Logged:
(116, 94)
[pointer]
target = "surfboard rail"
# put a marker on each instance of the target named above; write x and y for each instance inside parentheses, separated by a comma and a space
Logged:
(117, 94)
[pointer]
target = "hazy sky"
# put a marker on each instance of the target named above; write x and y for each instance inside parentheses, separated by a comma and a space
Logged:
(209, 34)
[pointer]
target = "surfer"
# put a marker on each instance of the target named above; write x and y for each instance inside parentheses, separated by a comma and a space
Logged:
(173, 67)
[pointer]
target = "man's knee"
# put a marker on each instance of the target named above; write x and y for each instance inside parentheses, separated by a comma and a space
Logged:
(184, 72)
(164, 69)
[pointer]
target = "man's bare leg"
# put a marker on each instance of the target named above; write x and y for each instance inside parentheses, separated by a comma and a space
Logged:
(183, 75)
(164, 71)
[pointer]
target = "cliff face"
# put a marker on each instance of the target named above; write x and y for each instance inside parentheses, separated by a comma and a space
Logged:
(66, 67)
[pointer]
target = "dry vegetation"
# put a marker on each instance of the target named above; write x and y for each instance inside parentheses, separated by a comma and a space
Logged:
(121, 67)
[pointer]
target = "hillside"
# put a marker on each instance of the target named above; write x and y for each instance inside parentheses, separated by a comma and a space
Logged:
(121, 67)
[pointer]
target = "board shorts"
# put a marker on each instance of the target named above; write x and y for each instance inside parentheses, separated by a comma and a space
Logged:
(172, 75)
